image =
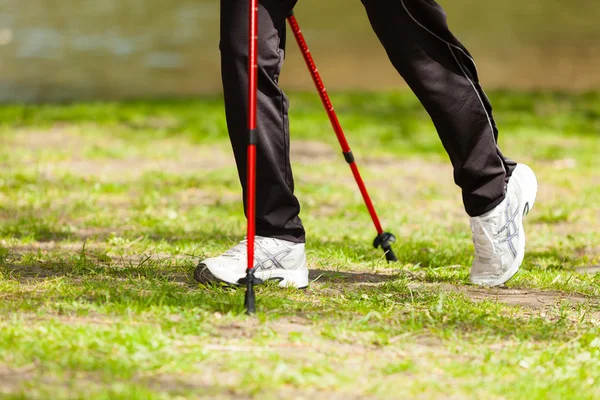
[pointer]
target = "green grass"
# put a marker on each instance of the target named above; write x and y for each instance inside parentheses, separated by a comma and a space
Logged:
(105, 209)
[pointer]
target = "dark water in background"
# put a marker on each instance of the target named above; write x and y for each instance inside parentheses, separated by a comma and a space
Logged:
(533, 43)
(67, 49)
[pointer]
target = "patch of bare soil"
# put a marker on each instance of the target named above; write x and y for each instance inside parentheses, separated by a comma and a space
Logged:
(536, 299)
(310, 151)
(518, 297)
(11, 378)
(31, 272)
(249, 327)
(416, 178)
(57, 137)
(397, 178)
(589, 269)
(190, 158)
(118, 170)
(219, 380)
(92, 319)
(52, 245)
(359, 277)
(194, 197)
(213, 383)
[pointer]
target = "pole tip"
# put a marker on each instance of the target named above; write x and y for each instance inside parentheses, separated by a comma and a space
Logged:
(385, 240)
(250, 298)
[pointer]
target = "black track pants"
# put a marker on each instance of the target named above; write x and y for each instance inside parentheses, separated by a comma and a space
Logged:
(436, 66)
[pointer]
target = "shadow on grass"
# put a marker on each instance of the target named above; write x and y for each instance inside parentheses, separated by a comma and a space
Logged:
(28, 262)
(320, 275)
(69, 287)
(77, 271)
(41, 234)
(166, 272)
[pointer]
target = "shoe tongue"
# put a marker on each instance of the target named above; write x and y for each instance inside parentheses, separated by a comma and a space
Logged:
(232, 254)
(236, 251)
(266, 242)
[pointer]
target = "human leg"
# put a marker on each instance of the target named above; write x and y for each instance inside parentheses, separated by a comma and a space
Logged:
(443, 75)
(279, 245)
(277, 208)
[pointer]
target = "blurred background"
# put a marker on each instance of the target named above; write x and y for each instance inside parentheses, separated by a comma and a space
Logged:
(113, 49)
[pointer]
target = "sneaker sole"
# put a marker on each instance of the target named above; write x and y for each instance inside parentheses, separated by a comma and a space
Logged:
(527, 203)
(296, 278)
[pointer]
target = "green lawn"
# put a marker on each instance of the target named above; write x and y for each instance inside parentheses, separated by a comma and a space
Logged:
(105, 209)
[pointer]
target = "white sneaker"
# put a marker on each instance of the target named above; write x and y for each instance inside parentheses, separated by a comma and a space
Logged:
(498, 235)
(273, 259)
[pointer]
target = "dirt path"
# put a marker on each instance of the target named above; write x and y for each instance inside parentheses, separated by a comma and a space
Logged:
(528, 298)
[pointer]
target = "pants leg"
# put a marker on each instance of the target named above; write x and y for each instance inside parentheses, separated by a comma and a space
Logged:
(277, 208)
(443, 75)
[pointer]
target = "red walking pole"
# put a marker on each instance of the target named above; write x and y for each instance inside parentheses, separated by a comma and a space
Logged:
(383, 239)
(250, 280)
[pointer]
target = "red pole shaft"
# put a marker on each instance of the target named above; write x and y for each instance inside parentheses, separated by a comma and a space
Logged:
(252, 134)
(334, 119)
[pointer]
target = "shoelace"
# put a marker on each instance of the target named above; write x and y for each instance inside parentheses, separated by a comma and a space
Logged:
(510, 220)
(239, 251)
